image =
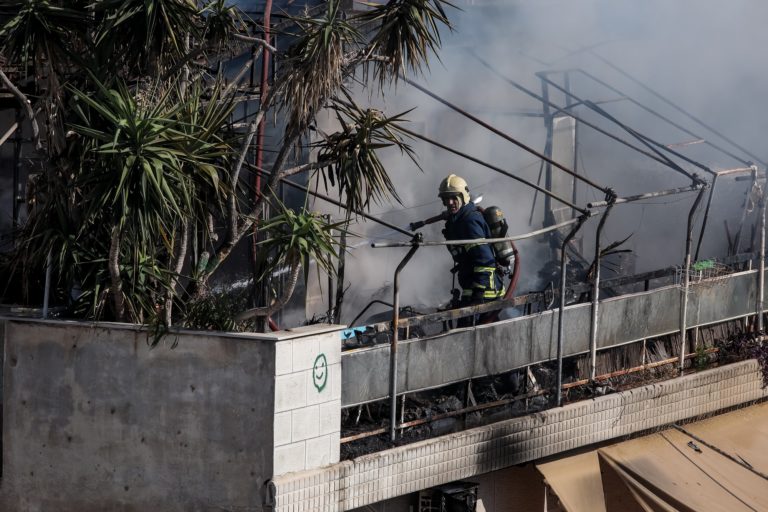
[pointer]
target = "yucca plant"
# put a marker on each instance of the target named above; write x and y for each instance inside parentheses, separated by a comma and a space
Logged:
(314, 66)
(293, 238)
(141, 200)
(148, 165)
(405, 34)
(349, 158)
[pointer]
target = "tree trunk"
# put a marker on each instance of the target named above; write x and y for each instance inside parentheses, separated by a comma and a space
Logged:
(279, 303)
(118, 302)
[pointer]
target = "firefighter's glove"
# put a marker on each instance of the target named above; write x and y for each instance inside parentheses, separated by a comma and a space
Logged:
(413, 226)
(477, 296)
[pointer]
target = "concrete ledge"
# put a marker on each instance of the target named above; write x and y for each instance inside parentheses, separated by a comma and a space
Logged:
(384, 475)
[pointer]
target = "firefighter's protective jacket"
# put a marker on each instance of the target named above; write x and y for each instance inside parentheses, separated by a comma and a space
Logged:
(475, 264)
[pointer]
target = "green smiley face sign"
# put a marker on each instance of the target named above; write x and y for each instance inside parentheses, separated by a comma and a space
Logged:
(320, 372)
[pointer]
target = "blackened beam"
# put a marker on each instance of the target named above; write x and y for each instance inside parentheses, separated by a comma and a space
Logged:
(492, 167)
(678, 108)
(333, 201)
(568, 111)
(643, 139)
(505, 136)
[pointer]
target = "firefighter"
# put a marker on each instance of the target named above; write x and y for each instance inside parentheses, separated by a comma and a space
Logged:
(474, 264)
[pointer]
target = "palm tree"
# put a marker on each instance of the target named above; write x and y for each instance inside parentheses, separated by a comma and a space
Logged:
(141, 198)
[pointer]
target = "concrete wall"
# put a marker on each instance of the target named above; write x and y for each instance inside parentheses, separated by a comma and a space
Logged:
(95, 420)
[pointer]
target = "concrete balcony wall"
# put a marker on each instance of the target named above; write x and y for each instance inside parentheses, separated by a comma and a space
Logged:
(503, 346)
(94, 420)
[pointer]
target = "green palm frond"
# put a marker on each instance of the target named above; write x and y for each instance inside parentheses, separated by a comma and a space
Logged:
(313, 69)
(405, 33)
(137, 32)
(350, 156)
(42, 32)
(222, 21)
(298, 237)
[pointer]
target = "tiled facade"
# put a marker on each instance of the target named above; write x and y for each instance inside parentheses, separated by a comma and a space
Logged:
(307, 402)
(380, 476)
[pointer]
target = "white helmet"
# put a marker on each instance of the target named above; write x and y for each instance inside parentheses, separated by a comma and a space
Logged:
(454, 185)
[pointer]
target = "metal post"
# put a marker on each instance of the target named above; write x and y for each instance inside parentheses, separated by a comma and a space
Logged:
(761, 266)
(563, 264)
(596, 293)
(745, 210)
(706, 216)
(548, 122)
(687, 277)
(393, 346)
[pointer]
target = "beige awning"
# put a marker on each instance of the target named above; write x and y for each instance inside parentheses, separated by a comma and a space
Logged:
(672, 470)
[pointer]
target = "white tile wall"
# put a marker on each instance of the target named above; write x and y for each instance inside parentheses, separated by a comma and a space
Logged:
(282, 426)
(436, 461)
(290, 391)
(305, 423)
(308, 420)
(318, 452)
(290, 458)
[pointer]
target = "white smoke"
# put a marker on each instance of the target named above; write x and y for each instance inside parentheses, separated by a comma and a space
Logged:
(704, 55)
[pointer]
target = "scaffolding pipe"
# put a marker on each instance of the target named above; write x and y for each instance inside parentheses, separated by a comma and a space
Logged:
(596, 293)
(506, 137)
(687, 277)
(649, 195)
(560, 325)
(492, 167)
(393, 346)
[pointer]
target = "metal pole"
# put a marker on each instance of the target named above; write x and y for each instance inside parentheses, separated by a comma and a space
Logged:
(650, 195)
(596, 297)
(761, 278)
(549, 125)
(687, 277)
(744, 211)
(560, 326)
(706, 216)
(393, 346)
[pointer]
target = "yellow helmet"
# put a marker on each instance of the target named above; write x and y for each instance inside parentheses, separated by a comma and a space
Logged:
(454, 185)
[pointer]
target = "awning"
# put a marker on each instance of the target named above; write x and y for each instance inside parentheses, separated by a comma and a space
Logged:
(716, 464)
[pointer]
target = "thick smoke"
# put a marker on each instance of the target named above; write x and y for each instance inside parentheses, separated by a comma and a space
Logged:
(705, 56)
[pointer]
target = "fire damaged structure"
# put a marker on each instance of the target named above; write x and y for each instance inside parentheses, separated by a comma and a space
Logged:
(643, 389)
